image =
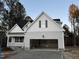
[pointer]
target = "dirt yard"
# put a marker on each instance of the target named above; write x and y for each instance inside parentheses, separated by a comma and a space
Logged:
(71, 53)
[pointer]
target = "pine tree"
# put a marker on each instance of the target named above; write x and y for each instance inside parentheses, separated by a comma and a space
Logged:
(16, 12)
(8, 17)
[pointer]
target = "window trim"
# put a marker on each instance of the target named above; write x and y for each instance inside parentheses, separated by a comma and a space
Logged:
(19, 39)
(10, 40)
(46, 23)
(40, 24)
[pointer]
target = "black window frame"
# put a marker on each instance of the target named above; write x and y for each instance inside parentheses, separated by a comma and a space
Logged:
(39, 24)
(21, 39)
(17, 39)
(10, 40)
(46, 23)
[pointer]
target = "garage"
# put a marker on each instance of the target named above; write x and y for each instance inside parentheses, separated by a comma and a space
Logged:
(43, 43)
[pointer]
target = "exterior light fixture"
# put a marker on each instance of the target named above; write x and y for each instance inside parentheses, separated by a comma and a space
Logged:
(43, 35)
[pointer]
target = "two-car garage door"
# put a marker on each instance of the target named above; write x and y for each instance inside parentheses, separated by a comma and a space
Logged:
(44, 43)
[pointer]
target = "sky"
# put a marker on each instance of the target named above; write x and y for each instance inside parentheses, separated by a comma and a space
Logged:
(54, 8)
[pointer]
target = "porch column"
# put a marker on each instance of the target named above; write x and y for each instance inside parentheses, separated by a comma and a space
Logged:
(7, 40)
(13, 39)
(61, 42)
(27, 43)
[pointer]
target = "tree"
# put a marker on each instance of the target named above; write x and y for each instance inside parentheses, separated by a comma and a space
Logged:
(16, 12)
(77, 24)
(73, 13)
(66, 28)
(68, 36)
(8, 17)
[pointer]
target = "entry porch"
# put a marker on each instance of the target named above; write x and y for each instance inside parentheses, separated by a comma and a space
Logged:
(15, 40)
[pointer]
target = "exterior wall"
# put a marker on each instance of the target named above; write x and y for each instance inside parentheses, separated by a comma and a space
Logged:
(53, 31)
(52, 26)
(16, 29)
(47, 35)
(26, 26)
(13, 43)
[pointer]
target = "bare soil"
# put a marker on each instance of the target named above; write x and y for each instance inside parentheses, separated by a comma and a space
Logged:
(72, 53)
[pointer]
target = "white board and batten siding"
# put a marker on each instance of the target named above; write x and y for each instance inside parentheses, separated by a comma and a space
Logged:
(26, 26)
(53, 31)
(16, 29)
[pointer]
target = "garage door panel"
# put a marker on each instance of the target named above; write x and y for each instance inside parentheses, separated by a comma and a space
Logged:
(44, 43)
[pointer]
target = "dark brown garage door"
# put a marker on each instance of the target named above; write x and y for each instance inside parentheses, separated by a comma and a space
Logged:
(44, 43)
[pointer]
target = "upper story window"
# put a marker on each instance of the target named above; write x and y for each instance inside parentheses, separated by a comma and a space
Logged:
(46, 23)
(39, 24)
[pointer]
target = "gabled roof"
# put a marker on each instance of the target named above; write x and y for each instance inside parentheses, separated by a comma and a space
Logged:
(48, 17)
(15, 29)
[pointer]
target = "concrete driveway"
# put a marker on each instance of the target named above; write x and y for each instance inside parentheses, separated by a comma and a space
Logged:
(37, 54)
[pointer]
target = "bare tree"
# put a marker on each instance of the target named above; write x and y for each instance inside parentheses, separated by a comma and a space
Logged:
(73, 13)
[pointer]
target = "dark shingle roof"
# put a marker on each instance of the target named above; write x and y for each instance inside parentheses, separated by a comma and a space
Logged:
(56, 19)
(21, 23)
(28, 18)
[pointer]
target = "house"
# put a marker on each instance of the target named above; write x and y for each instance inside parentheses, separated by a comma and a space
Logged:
(43, 33)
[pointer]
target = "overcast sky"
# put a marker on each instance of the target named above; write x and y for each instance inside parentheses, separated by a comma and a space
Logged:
(54, 8)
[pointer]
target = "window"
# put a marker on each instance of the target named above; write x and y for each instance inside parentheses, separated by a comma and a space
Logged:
(16, 39)
(10, 39)
(19, 39)
(46, 23)
(39, 24)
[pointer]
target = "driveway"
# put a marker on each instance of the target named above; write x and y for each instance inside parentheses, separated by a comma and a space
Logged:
(37, 54)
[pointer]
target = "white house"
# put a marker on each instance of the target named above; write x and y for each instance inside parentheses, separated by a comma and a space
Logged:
(43, 33)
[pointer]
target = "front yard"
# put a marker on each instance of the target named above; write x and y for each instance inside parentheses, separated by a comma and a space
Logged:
(37, 54)
(70, 53)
